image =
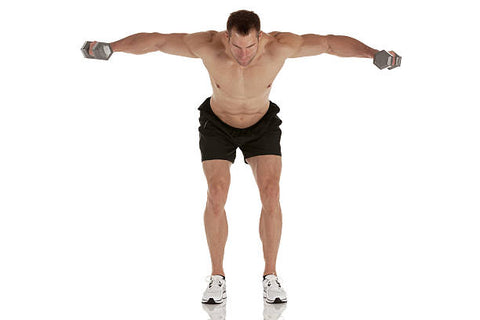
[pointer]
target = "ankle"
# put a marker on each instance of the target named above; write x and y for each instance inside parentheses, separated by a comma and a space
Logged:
(222, 275)
(218, 274)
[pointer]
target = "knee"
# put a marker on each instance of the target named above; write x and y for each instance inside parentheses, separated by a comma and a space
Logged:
(270, 196)
(217, 196)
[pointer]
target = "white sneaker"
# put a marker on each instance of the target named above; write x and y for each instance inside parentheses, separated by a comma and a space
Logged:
(216, 290)
(272, 290)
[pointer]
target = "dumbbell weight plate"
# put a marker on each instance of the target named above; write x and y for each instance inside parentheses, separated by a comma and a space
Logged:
(85, 48)
(102, 50)
(382, 59)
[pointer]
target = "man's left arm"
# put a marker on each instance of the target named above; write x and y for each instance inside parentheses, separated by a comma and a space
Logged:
(314, 44)
(344, 46)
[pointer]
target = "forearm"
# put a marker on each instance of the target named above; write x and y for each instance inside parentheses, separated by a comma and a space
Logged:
(139, 43)
(344, 46)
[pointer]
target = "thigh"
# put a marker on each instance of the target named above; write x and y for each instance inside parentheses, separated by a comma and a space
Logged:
(266, 170)
(217, 173)
(265, 142)
(214, 142)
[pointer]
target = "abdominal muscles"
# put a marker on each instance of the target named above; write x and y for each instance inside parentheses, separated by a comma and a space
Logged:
(239, 112)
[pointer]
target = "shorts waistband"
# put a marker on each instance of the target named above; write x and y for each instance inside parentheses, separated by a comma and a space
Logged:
(272, 109)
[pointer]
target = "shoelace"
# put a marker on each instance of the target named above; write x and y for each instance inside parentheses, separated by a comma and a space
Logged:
(213, 281)
(275, 281)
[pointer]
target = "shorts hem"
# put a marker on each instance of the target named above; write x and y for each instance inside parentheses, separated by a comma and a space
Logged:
(261, 154)
(218, 158)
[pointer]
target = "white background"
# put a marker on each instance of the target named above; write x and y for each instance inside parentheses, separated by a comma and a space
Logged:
(102, 191)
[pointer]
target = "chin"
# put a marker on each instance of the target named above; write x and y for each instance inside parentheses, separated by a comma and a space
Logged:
(244, 64)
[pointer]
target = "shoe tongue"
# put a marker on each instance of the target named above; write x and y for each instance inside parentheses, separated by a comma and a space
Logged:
(270, 277)
(218, 277)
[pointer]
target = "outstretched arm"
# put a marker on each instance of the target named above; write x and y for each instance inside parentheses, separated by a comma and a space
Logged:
(181, 44)
(313, 44)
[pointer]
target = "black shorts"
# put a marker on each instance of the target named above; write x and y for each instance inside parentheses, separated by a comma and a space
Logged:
(219, 140)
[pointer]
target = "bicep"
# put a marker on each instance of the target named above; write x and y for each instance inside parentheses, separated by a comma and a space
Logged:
(294, 46)
(176, 44)
(184, 44)
(311, 45)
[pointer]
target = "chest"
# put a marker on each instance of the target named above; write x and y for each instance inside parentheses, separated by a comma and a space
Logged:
(229, 76)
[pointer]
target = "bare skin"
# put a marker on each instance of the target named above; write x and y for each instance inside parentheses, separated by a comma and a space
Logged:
(242, 69)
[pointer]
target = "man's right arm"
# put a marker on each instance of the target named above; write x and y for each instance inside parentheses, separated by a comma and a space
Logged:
(181, 44)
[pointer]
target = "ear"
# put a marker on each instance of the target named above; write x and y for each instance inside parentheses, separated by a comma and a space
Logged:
(226, 35)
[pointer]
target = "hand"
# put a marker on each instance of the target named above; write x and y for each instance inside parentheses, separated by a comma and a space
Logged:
(90, 50)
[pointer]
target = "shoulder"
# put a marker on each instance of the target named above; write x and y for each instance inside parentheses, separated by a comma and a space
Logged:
(201, 38)
(285, 37)
(201, 43)
(283, 42)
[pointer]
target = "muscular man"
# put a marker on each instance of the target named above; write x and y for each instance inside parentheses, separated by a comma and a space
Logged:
(242, 63)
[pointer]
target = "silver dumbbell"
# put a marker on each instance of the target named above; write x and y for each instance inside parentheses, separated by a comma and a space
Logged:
(384, 59)
(101, 50)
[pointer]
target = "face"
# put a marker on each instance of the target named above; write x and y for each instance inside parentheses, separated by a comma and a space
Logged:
(243, 48)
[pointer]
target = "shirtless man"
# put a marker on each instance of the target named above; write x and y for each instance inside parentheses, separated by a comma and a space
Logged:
(242, 63)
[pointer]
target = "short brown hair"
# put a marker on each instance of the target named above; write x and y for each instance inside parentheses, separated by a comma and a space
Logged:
(243, 21)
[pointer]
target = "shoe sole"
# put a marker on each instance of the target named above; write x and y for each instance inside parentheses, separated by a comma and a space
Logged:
(213, 301)
(277, 300)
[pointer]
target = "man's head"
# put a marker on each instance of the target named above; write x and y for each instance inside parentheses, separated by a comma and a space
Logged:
(243, 34)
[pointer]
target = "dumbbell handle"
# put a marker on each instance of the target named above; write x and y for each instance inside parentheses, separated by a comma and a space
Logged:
(396, 60)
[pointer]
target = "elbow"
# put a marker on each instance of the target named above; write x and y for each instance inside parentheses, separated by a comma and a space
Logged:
(330, 38)
(158, 40)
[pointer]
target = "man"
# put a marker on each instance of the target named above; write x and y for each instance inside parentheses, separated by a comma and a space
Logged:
(242, 63)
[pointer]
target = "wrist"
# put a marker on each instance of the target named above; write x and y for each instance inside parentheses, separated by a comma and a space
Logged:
(372, 53)
(114, 46)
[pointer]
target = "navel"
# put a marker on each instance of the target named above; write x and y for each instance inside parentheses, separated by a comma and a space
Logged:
(269, 85)
(218, 86)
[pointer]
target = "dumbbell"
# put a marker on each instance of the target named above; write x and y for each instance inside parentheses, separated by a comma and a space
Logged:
(384, 59)
(101, 50)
